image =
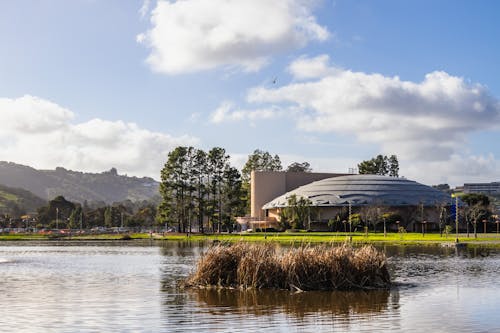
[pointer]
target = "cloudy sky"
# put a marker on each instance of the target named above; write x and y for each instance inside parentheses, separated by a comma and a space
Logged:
(89, 85)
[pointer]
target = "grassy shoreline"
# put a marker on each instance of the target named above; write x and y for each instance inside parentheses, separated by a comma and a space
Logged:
(286, 238)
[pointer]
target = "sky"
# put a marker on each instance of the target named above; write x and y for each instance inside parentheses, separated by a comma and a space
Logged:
(90, 84)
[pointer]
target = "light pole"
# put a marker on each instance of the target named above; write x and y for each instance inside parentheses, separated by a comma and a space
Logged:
(57, 218)
(350, 221)
(385, 230)
(456, 216)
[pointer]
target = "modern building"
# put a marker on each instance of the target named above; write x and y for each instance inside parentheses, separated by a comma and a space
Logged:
(267, 185)
(486, 188)
(330, 193)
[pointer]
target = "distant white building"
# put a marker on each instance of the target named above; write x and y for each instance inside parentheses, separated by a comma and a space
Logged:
(486, 188)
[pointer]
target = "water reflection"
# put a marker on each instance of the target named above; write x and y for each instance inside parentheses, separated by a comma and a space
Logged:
(259, 302)
(133, 287)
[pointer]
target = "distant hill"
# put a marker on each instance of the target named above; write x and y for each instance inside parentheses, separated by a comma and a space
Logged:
(107, 187)
(16, 201)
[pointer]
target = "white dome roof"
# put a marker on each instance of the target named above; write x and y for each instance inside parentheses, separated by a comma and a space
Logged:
(359, 190)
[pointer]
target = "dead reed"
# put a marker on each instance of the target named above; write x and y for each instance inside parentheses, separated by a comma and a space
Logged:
(262, 266)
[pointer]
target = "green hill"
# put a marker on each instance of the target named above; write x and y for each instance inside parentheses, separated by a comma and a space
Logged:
(106, 187)
(16, 201)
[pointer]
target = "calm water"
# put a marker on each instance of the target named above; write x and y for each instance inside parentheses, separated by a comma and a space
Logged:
(131, 287)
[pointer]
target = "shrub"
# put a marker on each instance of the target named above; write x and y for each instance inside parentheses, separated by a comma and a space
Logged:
(262, 266)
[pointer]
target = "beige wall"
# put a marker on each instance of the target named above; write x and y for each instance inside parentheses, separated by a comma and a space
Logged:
(267, 185)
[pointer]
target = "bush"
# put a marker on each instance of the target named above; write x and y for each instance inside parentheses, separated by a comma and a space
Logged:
(261, 266)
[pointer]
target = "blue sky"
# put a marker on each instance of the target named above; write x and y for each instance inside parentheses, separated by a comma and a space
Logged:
(90, 85)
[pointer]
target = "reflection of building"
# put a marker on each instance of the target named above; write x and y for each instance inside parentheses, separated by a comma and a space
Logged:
(486, 188)
(330, 193)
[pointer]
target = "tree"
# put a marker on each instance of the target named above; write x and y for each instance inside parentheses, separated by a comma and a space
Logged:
(393, 166)
(108, 217)
(173, 188)
(298, 211)
(370, 215)
(259, 160)
(442, 187)
(380, 165)
(200, 174)
(232, 194)
(299, 167)
(74, 218)
(196, 187)
(442, 211)
(475, 198)
(218, 161)
(478, 212)
(56, 213)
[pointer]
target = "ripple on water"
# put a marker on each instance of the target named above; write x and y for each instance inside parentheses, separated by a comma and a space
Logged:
(134, 289)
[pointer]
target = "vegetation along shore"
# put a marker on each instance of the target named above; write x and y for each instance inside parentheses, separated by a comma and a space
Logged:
(429, 239)
(265, 266)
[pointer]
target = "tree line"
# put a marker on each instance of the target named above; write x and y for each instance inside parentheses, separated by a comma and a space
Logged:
(200, 190)
(63, 214)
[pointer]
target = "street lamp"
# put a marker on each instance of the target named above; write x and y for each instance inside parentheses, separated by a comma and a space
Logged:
(350, 221)
(456, 215)
(423, 228)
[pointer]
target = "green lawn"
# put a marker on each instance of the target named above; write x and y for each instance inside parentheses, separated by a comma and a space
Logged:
(285, 237)
(330, 237)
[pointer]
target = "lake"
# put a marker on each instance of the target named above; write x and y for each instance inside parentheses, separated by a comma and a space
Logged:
(132, 287)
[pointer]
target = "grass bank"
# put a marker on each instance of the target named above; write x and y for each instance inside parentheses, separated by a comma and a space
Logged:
(282, 237)
(331, 237)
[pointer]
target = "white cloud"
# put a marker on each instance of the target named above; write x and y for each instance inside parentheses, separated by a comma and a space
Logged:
(426, 120)
(194, 35)
(457, 170)
(427, 124)
(311, 68)
(143, 11)
(226, 112)
(40, 133)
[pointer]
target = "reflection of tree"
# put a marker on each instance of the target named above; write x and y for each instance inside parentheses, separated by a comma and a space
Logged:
(298, 305)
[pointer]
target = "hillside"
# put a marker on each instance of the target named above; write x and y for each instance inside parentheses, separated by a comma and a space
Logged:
(15, 200)
(76, 186)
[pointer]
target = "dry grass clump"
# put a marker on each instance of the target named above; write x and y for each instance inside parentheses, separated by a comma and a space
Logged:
(259, 266)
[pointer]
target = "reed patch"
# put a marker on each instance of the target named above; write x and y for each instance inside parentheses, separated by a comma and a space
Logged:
(265, 266)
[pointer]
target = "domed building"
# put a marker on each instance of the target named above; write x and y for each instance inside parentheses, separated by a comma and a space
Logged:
(412, 201)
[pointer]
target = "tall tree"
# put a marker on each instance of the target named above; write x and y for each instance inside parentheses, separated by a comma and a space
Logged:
(299, 167)
(173, 189)
(197, 187)
(218, 161)
(75, 217)
(108, 217)
(56, 213)
(393, 166)
(298, 211)
(259, 160)
(380, 165)
(200, 175)
(232, 194)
